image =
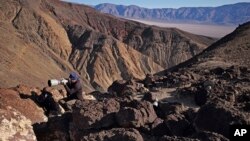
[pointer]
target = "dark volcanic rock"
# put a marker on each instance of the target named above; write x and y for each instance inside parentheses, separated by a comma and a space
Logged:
(159, 128)
(129, 117)
(177, 120)
(174, 138)
(244, 97)
(127, 88)
(213, 116)
(137, 114)
(95, 114)
(57, 128)
(247, 107)
(206, 90)
(149, 81)
(116, 134)
(209, 136)
(190, 114)
(170, 108)
(176, 79)
(151, 97)
(201, 97)
(117, 86)
(218, 71)
(203, 91)
(177, 124)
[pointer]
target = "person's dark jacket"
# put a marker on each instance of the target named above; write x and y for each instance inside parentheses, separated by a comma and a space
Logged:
(73, 89)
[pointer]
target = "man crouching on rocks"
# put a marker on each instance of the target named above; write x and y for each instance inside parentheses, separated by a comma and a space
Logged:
(73, 86)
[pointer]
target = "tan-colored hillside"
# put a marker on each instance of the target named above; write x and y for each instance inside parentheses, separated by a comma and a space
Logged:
(48, 39)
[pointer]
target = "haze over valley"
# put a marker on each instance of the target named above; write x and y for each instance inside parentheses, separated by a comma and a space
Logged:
(208, 21)
(216, 31)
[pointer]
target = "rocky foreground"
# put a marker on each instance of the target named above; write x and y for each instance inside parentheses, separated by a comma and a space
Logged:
(130, 110)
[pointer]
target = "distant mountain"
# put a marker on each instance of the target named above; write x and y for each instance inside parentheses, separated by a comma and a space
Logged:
(227, 14)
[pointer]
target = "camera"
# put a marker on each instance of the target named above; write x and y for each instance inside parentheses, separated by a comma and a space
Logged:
(54, 82)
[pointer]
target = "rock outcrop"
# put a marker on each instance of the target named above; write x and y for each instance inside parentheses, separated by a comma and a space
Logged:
(21, 99)
(220, 115)
(121, 134)
(14, 125)
(136, 114)
(95, 114)
(57, 128)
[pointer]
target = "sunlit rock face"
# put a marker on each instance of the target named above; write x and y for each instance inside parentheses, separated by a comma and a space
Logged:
(14, 125)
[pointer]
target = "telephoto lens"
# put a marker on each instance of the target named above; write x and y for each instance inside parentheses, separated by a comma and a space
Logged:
(53, 82)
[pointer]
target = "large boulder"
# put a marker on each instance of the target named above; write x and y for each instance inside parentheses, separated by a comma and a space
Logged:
(127, 88)
(14, 125)
(117, 87)
(129, 117)
(177, 119)
(218, 116)
(159, 128)
(204, 90)
(136, 114)
(94, 114)
(57, 128)
(21, 98)
(177, 124)
(115, 134)
(201, 97)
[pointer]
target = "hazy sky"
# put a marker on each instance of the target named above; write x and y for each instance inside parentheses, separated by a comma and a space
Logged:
(162, 3)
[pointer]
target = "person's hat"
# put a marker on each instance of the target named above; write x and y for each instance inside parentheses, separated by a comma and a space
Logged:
(73, 76)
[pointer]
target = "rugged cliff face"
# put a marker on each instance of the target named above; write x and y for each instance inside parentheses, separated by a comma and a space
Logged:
(48, 39)
(34, 47)
(232, 49)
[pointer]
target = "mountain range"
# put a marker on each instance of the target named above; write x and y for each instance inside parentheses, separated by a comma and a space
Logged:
(232, 14)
